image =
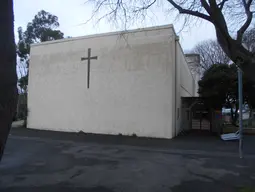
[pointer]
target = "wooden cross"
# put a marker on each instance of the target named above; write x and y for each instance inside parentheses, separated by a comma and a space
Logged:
(89, 58)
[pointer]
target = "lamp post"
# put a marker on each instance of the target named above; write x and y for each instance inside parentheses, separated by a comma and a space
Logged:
(240, 97)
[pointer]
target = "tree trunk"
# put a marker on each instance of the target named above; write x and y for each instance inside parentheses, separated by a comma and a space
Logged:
(235, 117)
(8, 76)
(237, 53)
(250, 116)
(232, 113)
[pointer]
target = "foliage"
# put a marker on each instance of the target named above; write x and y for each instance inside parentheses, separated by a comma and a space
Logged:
(219, 86)
(42, 28)
(23, 82)
(231, 19)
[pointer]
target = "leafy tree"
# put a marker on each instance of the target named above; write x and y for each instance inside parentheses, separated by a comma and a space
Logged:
(215, 85)
(231, 19)
(42, 28)
(23, 82)
(8, 76)
(219, 86)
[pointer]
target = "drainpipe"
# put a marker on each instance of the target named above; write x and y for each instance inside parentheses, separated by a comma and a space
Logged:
(175, 86)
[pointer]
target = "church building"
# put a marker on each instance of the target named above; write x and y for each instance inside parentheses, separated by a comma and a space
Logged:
(127, 83)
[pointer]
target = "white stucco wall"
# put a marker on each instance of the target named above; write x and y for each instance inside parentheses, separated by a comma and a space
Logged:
(185, 86)
(131, 84)
(193, 63)
(187, 80)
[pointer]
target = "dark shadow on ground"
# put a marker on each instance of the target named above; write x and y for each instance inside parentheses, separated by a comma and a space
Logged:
(194, 140)
(46, 161)
(55, 188)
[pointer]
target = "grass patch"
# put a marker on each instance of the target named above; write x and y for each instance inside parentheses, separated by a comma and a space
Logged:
(247, 189)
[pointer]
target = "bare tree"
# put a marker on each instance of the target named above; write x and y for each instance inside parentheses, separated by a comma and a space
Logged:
(22, 73)
(8, 76)
(210, 53)
(193, 61)
(230, 18)
(249, 40)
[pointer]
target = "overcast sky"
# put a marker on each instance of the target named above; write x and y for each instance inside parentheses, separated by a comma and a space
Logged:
(73, 14)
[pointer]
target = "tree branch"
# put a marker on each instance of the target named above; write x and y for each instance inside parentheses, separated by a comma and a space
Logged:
(247, 23)
(221, 4)
(206, 6)
(189, 12)
(146, 7)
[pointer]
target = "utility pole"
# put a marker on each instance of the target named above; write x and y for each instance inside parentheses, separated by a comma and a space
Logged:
(240, 96)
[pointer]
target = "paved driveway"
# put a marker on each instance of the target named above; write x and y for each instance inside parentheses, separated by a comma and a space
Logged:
(39, 163)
